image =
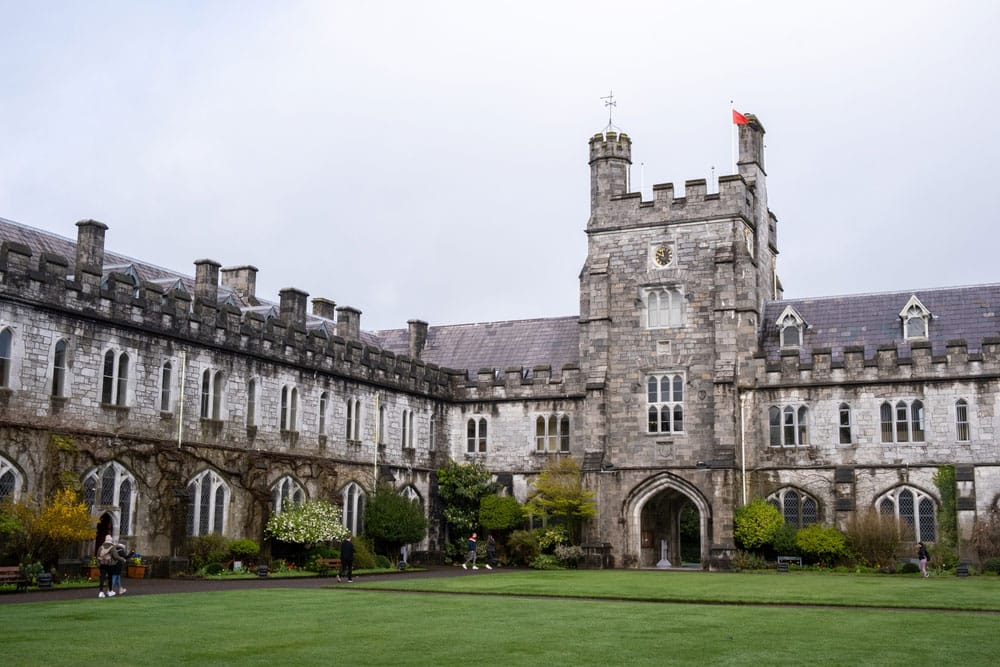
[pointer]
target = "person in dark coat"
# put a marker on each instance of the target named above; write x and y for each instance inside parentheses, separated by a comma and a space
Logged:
(922, 556)
(107, 556)
(491, 552)
(346, 560)
(470, 556)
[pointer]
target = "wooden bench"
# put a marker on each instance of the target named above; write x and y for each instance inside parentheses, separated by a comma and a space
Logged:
(11, 574)
(324, 565)
(783, 562)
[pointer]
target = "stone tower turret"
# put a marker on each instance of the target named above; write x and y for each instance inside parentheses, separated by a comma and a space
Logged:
(610, 159)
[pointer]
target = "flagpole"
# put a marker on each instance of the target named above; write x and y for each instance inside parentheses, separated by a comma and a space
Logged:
(732, 134)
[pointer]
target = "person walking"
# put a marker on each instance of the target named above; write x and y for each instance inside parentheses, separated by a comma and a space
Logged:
(116, 569)
(470, 557)
(923, 557)
(491, 552)
(346, 560)
(107, 556)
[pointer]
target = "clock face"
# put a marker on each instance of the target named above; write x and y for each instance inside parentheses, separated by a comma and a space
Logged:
(663, 255)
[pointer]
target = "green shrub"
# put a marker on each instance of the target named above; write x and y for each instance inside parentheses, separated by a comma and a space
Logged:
(364, 558)
(382, 563)
(991, 566)
(245, 549)
(757, 524)
(909, 568)
(942, 556)
(500, 512)
(784, 541)
(823, 544)
(215, 568)
(205, 549)
(522, 547)
(747, 560)
(545, 562)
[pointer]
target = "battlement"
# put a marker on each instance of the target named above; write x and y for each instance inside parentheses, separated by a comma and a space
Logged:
(118, 300)
(818, 365)
(604, 145)
(519, 383)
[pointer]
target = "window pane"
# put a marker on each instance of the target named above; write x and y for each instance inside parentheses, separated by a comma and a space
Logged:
(678, 389)
(125, 503)
(665, 389)
(122, 393)
(791, 508)
(108, 486)
(665, 419)
(928, 531)
(564, 434)
(220, 507)
(789, 427)
(774, 418)
(809, 514)
(886, 416)
(205, 508)
(678, 419)
(540, 434)
(917, 421)
(165, 388)
(962, 420)
(906, 514)
(803, 426)
(482, 434)
(654, 420)
(902, 423)
(845, 424)
(652, 395)
(470, 432)
(108, 385)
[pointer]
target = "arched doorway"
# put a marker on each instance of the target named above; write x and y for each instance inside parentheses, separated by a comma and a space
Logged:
(668, 523)
(105, 526)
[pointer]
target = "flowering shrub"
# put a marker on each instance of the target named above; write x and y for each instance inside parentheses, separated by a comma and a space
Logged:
(308, 523)
(549, 538)
(569, 554)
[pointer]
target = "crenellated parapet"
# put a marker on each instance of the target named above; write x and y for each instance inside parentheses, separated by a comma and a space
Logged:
(820, 365)
(519, 383)
(117, 299)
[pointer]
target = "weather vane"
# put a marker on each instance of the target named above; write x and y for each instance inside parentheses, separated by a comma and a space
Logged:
(610, 103)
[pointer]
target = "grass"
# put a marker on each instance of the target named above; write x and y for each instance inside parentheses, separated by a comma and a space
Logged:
(355, 626)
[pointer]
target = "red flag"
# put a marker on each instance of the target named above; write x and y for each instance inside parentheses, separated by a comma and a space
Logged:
(739, 119)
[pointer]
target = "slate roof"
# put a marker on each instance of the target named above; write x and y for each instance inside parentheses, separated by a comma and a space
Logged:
(871, 320)
(515, 343)
(501, 345)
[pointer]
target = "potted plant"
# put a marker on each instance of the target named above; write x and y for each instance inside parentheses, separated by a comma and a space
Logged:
(136, 568)
(92, 569)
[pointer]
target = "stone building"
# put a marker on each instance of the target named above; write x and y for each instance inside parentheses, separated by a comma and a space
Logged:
(685, 386)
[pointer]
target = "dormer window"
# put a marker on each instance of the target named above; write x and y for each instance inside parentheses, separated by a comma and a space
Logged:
(916, 319)
(790, 327)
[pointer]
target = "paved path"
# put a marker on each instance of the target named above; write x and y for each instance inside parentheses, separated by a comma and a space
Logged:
(161, 586)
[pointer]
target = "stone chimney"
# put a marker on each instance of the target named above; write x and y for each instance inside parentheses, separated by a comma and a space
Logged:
(418, 337)
(243, 281)
(292, 306)
(206, 280)
(325, 308)
(349, 323)
(90, 247)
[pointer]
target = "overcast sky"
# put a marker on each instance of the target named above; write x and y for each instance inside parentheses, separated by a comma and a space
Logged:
(429, 159)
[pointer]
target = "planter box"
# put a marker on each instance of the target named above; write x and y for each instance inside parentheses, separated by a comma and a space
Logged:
(136, 571)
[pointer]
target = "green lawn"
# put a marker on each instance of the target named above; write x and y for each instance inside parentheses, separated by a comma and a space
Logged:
(354, 626)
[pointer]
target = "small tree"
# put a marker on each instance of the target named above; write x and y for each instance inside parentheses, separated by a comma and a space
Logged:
(394, 520)
(559, 493)
(39, 532)
(461, 487)
(308, 524)
(500, 513)
(757, 524)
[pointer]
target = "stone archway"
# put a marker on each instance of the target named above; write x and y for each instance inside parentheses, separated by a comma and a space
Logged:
(653, 512)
